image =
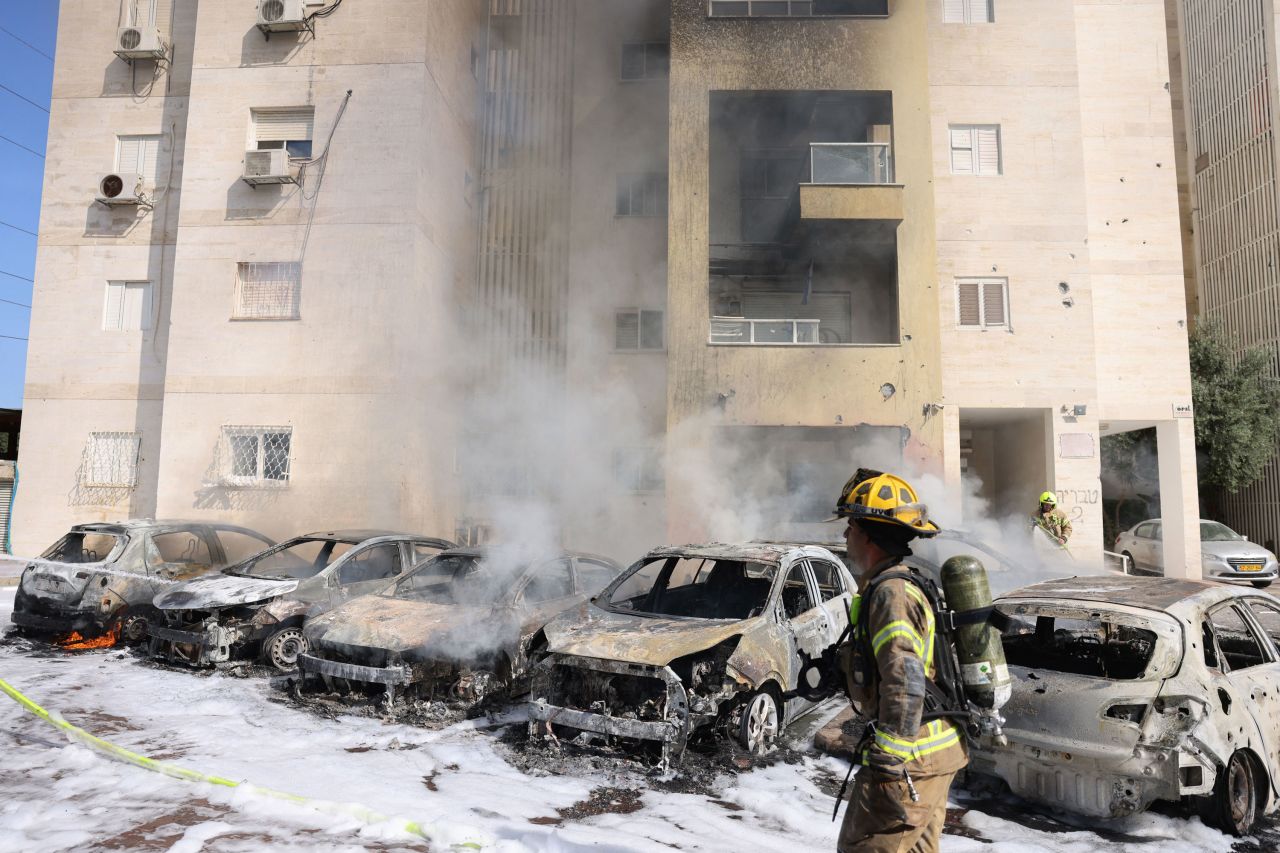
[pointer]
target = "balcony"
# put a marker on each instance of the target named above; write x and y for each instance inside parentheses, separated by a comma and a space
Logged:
(851, 180)
(850, 163)
(798, 9)
(739, 330)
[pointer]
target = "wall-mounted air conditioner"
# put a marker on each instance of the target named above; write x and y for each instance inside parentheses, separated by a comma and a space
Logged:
(121, 188)
(140, 43)
(267, 167)
(276, 16)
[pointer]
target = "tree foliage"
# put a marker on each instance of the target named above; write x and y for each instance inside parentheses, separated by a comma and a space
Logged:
(1236, 401)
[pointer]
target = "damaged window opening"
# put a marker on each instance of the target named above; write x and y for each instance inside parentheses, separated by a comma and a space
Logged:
(693, 588)
(783, 273)
(83, 548)
(294, 560)
(1234, 639)
(451, 579)
(1103, 646)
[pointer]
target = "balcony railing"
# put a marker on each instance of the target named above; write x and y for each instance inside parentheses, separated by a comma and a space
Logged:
(850, 163)
(798, 8)
(750, 330)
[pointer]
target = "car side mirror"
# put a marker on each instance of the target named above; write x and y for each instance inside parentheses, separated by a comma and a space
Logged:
(1245, 538)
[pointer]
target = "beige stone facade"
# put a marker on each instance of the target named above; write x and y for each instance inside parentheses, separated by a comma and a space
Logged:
(799, 244)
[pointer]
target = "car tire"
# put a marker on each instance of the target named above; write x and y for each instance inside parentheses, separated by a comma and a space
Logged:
(1233, 805)
(133, 628)
(281, 649)
(1260, 584)
(760, 724)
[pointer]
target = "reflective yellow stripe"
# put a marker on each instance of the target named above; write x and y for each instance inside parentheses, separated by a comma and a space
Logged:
(927, 745)
(914, 592)
(900, 628)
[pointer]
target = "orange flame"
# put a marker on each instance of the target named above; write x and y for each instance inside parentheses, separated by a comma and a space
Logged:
(76, 642)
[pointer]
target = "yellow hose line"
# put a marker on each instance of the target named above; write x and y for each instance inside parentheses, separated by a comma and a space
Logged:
(119, 753)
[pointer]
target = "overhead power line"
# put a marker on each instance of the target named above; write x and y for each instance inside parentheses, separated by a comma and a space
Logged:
(16, 228)
(11, 302)
(19, 38)
(13, 337)
(23, 97)
(20, 145)
(15, 275)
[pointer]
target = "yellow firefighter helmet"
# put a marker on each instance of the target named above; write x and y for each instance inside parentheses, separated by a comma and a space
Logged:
(887, 498)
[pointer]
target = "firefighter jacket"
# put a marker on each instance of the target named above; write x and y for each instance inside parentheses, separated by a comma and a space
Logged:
(1054, 522)
(889, 688)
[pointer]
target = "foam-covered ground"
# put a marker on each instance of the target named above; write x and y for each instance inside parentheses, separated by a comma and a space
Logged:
(55, 795)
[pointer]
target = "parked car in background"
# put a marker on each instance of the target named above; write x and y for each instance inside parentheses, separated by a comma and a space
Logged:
(689, 639)
(457, 627)
(1129, 690)
(259, 605)
(99, 579)
(1224, 554)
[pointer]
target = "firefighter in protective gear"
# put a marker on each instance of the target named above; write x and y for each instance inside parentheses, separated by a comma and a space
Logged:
(1052, 520)
(899, 797)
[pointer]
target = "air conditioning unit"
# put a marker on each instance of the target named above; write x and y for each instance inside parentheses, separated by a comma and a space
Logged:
(140, 43)
(121, 188)
(275, 16)
(267, 167)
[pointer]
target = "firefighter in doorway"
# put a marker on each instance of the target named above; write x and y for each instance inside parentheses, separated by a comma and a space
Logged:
(1051, 520)
(909, 756)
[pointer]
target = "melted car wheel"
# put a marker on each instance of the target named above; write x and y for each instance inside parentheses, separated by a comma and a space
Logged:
(133, 628)
(282, 648)
(758, 729)
(1233, 806)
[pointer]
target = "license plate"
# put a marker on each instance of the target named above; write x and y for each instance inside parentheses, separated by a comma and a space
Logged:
(47, 583)
(1250, 567)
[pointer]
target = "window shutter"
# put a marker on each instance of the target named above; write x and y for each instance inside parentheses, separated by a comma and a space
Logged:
(139, 154)
(962, 154)
(136, 307)
(968, 303)
(127, 159)
(283, 125)
(113, 308)
(953, 11)
(651, 330)
(160, 10)
(626, 330)
(982, 11)
(988, 145)
(993, 303)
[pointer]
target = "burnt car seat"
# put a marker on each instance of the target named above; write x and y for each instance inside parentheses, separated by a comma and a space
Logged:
(730, 594)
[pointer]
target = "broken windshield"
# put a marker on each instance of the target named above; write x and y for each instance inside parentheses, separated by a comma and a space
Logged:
(693, 588)
(450, 579)
(1102, 644)
(296, 559)
(82, 547)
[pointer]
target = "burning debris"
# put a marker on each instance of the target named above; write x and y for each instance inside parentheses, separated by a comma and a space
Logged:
(689, 641)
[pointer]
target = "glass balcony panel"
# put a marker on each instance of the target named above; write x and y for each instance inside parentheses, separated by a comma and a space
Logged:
(851, 163)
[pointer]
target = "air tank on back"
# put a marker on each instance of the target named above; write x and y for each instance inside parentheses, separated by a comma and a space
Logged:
(983, 670)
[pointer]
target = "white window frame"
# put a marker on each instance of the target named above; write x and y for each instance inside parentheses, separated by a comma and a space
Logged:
(983, 283)
(645, 463)
(239, 310)
(648, 73)
(126, 451)
(119, 323)
(971, 11)
(976, 149)
(145, 140)
(639, 314)
(258, 479)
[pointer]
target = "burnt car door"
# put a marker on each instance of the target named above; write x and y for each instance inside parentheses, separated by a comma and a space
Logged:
(367, 569)
(593, 575)
(833, 594)
(180, 554)
(1266, 617)
(548, 591)
(1244, 673)
(808, 628)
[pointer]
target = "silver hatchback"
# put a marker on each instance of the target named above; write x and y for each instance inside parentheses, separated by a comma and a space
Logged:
(1224, 554)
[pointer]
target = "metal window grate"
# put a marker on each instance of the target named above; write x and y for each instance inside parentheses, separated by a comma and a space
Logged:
(257, 455)
(268, 291)
(111, 460)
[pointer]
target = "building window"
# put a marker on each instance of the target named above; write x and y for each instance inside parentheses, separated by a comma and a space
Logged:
(642, 194)
(968, 11)
(975, 149)
(635, 329)
(638, 470)
(267, 290)
(127, 307)
(111, 460)
(256, 456)
(139, 155)
(982, 303)
(798, 8)
(645, 60)
(290, 129)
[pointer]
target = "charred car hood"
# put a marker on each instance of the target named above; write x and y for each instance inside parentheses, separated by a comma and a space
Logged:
(405, 626)
(590, 631)
(221, 590)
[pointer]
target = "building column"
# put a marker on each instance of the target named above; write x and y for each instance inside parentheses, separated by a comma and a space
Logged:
(952, 471)
(1179, 500)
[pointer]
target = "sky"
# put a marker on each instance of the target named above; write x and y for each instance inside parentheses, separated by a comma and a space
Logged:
(26, 71)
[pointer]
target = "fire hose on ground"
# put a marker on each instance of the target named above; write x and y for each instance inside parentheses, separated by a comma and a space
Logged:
(353, 810)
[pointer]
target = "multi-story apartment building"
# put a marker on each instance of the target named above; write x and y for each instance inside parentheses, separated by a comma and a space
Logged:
(543, 241)
(1224, 73)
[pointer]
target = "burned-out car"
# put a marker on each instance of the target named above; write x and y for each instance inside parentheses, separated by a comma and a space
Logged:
(98, 580)
(1129, 690)
(457, 627)
(259, 605)
(692, 638)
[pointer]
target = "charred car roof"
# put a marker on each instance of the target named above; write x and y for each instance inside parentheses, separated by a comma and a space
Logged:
(1147, 593)
(360, 535)
(481, 550)
(755, 552)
